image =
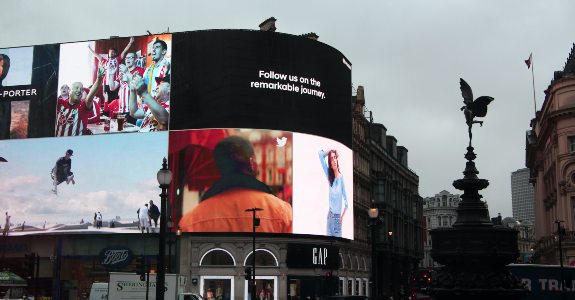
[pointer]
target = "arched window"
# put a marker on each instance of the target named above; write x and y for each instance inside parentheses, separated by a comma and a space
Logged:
(217, 257)
(264, 258)
(342, 261)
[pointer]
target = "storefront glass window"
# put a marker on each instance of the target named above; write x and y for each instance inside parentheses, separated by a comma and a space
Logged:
(350, 286)
(266, 288)
(217, 289)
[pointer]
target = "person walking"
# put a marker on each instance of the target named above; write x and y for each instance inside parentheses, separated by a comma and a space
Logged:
(98, 220)
(144, 218)
(154, 213)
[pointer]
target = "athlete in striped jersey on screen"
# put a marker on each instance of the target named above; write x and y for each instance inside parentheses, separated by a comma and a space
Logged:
(72, 114)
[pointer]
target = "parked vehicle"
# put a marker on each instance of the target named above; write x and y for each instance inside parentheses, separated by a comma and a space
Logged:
(99, 291)
(189, 296)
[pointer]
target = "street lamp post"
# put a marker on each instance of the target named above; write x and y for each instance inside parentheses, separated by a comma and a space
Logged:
(559, 236)
(373, 218)
(164, 179)
(256, 223)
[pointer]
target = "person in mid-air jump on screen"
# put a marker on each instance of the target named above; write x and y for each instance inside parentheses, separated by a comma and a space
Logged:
(62, 171)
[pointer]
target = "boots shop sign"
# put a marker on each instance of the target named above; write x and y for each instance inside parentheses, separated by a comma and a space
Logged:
(312, 256)
(115, 257)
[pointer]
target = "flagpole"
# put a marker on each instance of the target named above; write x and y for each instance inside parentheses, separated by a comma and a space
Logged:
(533, 82)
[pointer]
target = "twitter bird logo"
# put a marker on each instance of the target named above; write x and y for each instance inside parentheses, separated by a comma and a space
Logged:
(281, 141)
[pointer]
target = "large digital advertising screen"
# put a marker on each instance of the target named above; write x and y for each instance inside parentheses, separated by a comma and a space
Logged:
(302, 183)
(120, 85)
(27, 91)
(108, 178)
(64, 167)
(266, 80)
(259, 120)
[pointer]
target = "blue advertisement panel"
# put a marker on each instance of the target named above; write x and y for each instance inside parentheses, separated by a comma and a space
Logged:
(544, 281)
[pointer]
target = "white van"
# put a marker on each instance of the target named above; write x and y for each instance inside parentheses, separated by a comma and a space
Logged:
(189, 296)
(99, 291)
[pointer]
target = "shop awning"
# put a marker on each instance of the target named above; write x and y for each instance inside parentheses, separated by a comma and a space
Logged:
(10, 279)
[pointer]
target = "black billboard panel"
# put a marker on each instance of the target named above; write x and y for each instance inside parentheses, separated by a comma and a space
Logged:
(28, 79)
(254, 79)
(312, 256)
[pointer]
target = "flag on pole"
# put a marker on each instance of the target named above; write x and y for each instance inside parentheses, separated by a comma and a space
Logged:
(529, 60)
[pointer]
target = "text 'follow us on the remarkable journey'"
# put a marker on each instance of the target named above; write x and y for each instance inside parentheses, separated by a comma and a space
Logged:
(287, 82)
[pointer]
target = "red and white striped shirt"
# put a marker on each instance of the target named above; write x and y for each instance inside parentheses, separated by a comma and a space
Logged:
(150, 123)
(111, 67)
(123, 97)
(71, 120)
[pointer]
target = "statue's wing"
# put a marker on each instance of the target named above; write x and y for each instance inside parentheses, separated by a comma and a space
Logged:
(479, 107)
(465, 91)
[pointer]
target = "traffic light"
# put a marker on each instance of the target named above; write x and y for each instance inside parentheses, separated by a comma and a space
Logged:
(248, 274)
(29, 264)
(141, 267)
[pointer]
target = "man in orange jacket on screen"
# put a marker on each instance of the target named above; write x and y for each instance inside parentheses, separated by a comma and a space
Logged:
(223, 206)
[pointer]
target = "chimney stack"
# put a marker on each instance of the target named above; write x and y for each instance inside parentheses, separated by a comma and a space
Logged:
(268, 25)
(311, 36)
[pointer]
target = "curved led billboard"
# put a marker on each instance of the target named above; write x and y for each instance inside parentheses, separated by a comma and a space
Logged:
(266, 80)
(220, 174)
(247, 119)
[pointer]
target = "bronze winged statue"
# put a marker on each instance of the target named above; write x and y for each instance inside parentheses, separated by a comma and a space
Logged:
(473, 108)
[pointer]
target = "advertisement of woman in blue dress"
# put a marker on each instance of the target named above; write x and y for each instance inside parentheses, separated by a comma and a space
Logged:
(338, 203)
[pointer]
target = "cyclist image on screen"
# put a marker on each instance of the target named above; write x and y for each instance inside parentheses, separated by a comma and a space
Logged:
(337, 195)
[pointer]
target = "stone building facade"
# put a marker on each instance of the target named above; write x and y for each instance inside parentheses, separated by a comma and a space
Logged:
(438, 211)
(382, 177)
(550, 149)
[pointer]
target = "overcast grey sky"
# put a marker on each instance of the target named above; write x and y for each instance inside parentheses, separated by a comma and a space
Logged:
(409, 56)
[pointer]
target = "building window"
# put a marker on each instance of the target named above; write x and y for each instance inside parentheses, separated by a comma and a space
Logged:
(380, 191)
(571, 141)
(263, 258)
(217, 288)
(217, 257)
(350, 286)
(214, 287)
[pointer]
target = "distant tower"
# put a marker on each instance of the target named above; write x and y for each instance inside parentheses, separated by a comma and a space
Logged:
(522, 196)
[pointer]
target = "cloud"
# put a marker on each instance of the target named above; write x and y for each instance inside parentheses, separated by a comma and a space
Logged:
(18, 182)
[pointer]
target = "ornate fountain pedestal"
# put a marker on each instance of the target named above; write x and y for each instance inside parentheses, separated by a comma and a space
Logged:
(474, 252)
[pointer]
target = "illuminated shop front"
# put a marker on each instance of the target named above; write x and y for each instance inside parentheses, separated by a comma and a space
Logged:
(285, 268)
